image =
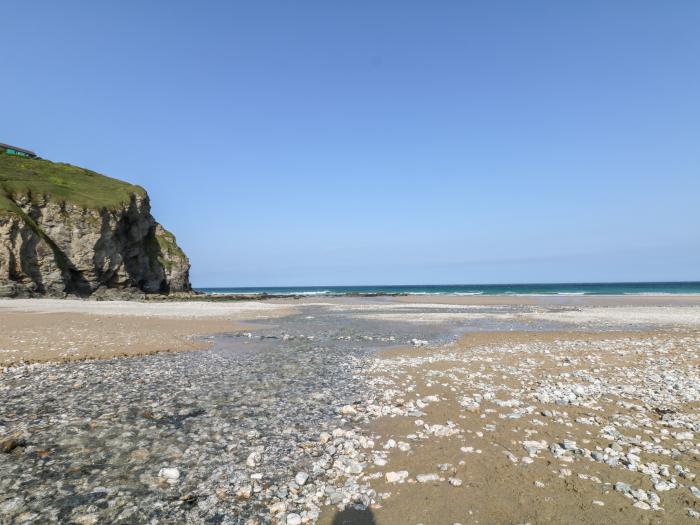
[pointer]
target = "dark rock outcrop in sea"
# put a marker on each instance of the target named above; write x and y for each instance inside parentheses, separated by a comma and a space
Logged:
(68, 231)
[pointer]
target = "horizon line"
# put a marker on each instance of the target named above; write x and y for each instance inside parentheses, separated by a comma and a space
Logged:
(569, 283)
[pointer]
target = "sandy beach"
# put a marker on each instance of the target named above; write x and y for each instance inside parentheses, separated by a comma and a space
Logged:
(351, 410)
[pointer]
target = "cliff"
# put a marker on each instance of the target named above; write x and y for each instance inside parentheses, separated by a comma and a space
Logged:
(65, 230)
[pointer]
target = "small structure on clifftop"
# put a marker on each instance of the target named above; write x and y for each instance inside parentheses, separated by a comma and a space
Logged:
(18, 152)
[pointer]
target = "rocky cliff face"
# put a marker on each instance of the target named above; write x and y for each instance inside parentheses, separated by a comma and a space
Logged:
(53, 246)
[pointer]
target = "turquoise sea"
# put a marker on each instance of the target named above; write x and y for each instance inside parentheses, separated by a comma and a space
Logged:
(650, 288)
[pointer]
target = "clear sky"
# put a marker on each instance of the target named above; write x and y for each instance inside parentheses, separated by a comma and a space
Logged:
(379, 142)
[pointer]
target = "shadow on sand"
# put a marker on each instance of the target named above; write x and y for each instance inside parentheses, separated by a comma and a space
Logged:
(354, 517)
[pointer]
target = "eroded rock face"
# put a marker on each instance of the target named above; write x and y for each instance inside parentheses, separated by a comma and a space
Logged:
(59, 249)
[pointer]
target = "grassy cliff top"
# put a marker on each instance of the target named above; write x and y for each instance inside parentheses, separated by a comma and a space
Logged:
(60, 183)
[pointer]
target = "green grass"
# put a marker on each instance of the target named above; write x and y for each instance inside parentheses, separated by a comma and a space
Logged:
(6, 205)
(58, 182)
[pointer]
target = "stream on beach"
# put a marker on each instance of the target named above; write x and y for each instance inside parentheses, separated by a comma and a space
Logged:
(212, 436)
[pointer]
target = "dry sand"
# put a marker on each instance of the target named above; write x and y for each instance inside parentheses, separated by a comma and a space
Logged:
(35, 330)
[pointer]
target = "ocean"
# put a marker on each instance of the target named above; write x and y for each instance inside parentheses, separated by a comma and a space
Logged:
(649, 288)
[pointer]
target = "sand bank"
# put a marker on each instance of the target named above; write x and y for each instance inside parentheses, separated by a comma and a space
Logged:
(34, 330)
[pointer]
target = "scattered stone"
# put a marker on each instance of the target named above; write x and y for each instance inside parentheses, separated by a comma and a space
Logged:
(348, 410)
(293, 519)
(169, 473)
(427, 478)
(534, 447)
(301, 478)
(663, 485)
(684, 436)
(623, 487)
(9, 444)
(396, 477)
(254, 459)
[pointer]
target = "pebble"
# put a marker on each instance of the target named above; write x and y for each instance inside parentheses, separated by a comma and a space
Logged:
(663, 485)
(293, 519)
(396, 477)
(684, 436)
(169, 473)
(622, 487)
(427, 478)
(253, 459)
(348, 410)
(301, 478)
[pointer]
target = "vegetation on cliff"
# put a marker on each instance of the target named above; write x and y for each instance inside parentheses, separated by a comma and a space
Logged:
(42, 179)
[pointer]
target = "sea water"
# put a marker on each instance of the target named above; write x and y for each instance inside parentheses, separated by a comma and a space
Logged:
(641, 288)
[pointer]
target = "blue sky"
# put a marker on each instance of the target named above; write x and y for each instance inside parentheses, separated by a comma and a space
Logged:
(320, 143)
